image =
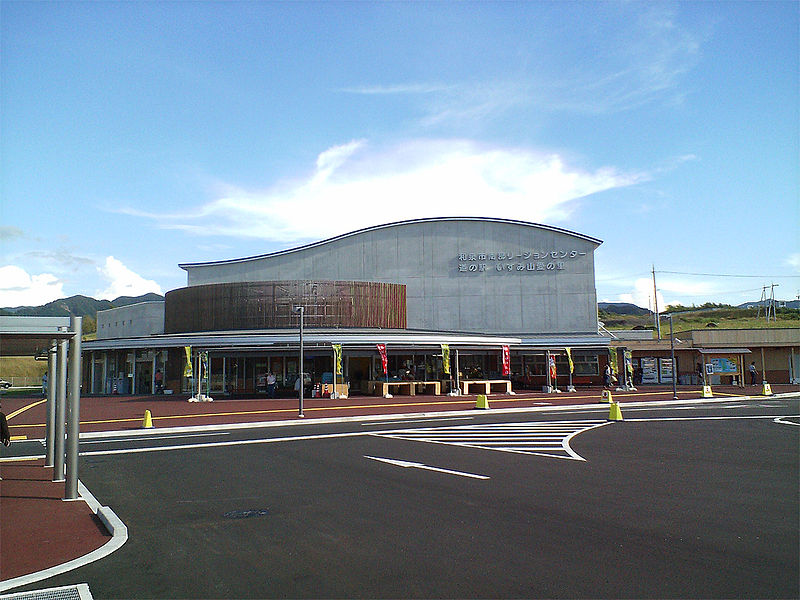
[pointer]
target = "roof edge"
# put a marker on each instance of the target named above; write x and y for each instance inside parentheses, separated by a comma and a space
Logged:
(190, 265)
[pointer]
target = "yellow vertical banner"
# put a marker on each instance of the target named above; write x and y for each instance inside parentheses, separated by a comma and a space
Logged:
(629, 366)
(187, 369)
(612, 359)
(337, 358)
(446, 358)
(569, 358)
(204, 365)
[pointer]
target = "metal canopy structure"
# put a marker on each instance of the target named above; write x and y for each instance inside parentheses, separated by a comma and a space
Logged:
(31, 336)
(285, 339)
(58, 338)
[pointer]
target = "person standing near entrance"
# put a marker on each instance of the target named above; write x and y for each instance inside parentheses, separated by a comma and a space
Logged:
(44, 385)
(5, 434)
(271, 383)
(159, 378)
(753, 373)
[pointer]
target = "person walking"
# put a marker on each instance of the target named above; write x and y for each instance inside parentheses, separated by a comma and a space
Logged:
(607, 377)
(753, 373)
(298, 384)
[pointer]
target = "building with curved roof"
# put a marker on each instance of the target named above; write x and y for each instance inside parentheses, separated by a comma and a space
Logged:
(481, 286)
(460, 274)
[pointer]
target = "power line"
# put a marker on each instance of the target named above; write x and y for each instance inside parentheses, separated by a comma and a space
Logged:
(730, 275)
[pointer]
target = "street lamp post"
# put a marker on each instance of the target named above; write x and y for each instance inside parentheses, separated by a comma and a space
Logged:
(672, 358)
(300, 310)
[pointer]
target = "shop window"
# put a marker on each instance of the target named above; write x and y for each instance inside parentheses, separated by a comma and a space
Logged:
(588, 364)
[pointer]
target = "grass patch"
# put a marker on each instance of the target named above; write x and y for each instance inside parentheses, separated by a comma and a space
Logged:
(22, 366)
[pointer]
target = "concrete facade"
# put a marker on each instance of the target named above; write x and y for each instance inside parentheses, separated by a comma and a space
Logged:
(461, 274)
(135, 320)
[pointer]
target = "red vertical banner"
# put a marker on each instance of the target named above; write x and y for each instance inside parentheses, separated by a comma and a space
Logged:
(506, 361)
(382, 351)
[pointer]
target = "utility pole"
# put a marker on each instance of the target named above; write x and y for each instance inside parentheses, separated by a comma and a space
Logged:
(762, 302)
(772, 302)
(655, 304)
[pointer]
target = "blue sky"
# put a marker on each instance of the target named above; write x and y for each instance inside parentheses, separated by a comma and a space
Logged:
(139, 135)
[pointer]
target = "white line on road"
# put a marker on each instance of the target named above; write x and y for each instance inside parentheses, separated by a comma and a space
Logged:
(224, 444)
(151, 437)
(720, 418)
(407, 464)
(403, 421)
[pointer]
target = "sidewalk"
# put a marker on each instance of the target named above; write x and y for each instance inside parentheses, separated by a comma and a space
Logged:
(39, 530)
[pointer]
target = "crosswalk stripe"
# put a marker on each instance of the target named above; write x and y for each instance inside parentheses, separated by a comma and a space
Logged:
(540, 438)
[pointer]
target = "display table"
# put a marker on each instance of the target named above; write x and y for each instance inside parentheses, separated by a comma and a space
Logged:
(485, 386)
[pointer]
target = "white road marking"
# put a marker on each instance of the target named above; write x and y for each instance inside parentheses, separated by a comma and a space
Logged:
(221, 444)
(152, 437)
(542, 438)
(720, 418)
(403, 421)
(415, 465)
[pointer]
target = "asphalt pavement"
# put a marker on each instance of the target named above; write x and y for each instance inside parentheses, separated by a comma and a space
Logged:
(690, 500)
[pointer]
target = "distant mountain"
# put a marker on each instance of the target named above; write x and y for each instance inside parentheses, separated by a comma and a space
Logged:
(778, 303)
(80, 306)
(622, 308)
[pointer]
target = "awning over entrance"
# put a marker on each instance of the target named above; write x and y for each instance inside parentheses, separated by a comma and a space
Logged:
(285, 339)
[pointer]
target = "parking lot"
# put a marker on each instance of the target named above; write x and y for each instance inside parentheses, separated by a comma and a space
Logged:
(693, 502)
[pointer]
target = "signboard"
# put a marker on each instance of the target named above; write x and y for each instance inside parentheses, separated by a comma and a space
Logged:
(725, 365)
(540, 260)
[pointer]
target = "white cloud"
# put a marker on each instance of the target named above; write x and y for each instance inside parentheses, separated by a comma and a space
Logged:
(793, 260)
(401, 88)
(670, 291)
(354, 185)
(18, 288)
(123, 281)
(635, 62)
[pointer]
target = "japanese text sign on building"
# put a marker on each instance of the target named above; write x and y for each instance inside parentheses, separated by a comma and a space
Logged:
(530, 261)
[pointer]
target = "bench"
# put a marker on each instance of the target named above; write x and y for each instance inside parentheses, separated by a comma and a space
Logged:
(381, 388)
(424, 386)
(487, 385)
